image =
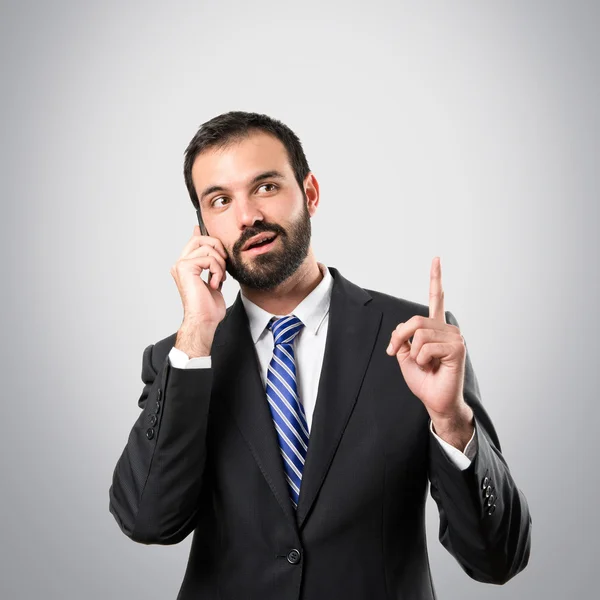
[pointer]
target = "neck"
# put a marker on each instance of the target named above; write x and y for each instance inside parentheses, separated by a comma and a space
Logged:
(283, 299)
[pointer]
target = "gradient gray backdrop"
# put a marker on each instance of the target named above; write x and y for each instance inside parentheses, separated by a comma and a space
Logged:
(467, 130)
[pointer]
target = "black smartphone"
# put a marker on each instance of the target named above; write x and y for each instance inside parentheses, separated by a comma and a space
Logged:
(204, 232)
(202, 228)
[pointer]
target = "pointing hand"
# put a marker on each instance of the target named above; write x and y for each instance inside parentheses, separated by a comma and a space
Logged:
(433, 365)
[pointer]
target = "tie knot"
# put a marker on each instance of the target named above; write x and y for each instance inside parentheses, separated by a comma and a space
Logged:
(285, 329)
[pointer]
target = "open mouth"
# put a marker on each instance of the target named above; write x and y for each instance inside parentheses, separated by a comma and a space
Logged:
(262, 245)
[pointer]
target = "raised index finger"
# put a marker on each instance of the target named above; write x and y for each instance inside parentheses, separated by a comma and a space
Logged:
(436, 293)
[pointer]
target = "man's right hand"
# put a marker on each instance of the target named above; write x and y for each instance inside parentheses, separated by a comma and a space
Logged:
(203, 303)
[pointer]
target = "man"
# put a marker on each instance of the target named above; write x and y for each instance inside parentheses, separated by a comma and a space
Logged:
(295, 431)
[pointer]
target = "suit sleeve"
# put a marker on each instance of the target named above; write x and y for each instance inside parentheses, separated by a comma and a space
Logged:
(157, 481)
(484, 518)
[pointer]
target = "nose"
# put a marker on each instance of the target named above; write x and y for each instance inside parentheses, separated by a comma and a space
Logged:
(247, 213)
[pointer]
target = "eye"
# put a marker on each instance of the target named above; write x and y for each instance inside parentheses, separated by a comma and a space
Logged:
(272, 185)
(214, 200)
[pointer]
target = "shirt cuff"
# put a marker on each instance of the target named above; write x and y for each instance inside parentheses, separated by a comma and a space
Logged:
(180, 360)
(461, 459)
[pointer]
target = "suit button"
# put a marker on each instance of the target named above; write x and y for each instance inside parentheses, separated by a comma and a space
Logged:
(157, 408)
(491, 500)
(492, 509)
(486, 481)
(293, 556)
(153, 419)
(150, 433)
(488, 491)
(158, 394)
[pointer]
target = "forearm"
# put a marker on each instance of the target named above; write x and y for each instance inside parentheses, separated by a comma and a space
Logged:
(484, 518)
(485, 521)
(158, 478)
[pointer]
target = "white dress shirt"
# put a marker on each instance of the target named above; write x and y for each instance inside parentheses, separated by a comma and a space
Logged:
(309, 349)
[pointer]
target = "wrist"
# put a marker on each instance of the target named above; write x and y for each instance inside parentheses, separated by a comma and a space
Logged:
(194, 339)
(456, 428)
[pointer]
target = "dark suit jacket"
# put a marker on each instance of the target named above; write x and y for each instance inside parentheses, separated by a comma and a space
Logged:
(203, 457)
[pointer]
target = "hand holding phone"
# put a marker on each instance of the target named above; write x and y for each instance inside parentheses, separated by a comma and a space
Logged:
(203, 303)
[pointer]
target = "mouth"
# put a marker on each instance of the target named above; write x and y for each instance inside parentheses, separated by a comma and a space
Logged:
(260, 244)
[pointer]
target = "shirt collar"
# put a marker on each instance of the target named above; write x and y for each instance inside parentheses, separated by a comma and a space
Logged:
(311, 311)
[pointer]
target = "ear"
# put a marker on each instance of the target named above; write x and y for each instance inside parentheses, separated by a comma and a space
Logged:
(311, 190)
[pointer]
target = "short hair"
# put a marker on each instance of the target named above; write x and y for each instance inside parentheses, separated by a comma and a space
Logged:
(233, 126)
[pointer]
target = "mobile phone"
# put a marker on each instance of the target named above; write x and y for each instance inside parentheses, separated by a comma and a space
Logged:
(202, 228)
(204, 232)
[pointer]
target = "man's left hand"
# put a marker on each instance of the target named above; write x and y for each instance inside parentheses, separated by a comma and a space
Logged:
(433, 365)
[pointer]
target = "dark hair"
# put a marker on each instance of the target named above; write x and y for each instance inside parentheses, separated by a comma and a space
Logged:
(232, 126)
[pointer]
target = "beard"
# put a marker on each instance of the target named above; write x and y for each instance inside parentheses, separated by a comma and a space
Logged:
(266, 271)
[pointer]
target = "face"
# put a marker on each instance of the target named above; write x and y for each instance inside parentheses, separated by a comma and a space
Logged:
(248, 188)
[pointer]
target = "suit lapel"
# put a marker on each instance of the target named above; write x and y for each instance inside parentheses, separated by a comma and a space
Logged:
(352, 330)
(240, 387)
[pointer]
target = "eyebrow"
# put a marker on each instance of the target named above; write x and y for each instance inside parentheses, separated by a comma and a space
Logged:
(266, 175)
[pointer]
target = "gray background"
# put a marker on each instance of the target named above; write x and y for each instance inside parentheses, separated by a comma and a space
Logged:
(466, 130)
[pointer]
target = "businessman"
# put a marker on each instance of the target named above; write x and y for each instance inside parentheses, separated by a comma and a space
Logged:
(295, 432)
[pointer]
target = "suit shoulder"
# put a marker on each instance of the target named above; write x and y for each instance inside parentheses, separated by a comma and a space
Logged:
(397, 306)
(162, 348)
(401, 309)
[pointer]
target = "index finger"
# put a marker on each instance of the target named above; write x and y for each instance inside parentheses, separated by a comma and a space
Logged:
(436, 293)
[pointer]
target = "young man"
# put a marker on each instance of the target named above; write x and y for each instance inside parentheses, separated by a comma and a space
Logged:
(295, 431)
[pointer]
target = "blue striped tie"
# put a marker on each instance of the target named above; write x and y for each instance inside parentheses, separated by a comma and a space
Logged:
(286, 409)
